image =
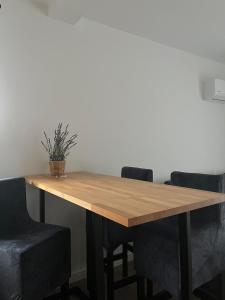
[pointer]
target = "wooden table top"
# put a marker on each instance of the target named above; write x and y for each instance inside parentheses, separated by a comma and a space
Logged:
(125, 201)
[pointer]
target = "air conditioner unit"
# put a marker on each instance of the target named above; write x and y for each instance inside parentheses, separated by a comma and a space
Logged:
(215, 89)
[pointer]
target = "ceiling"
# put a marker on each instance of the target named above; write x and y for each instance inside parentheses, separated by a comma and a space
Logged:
(197, 26)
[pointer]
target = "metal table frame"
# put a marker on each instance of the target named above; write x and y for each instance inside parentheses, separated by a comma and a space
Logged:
(95, 263)
(68, 290)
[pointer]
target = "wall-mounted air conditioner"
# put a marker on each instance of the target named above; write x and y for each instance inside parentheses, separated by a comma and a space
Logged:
(215, 89)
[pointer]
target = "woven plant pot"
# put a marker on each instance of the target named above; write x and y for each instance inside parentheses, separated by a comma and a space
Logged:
(57, 168)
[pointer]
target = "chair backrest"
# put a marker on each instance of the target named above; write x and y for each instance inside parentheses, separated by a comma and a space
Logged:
(137, 173)
(207, 182)
(13, 209)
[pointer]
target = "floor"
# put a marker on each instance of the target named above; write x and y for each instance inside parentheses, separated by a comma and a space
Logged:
(122, 294)
(127, 293)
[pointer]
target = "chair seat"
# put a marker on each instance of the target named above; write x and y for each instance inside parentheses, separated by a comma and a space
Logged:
(39, 252)
(157, 253)
(115, 234)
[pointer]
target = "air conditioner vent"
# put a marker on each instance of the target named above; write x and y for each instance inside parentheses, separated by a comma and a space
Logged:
(215, 89)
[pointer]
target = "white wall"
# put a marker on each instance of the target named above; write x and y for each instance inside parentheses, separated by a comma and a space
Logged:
(132, 101)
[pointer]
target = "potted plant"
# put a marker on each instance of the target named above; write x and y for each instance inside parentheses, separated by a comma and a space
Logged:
(59, 149)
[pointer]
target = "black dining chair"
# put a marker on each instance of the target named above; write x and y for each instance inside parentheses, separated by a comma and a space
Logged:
(156, 246)
(35, 258)
(116, 235)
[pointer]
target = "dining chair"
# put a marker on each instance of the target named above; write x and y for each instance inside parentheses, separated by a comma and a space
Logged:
(116, 235)
(213, 183)
(35, 258)
(156, 246)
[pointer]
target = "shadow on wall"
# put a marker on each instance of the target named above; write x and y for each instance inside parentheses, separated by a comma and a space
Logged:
(41, 6)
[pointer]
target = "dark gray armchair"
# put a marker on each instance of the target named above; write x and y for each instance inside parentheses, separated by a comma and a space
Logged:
(157, 245)
(35, 258)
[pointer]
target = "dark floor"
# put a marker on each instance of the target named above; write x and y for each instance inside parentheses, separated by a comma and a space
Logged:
(127, 293)
(122, 294)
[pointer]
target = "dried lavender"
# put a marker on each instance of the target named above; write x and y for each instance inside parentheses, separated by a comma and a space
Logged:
(60, 148)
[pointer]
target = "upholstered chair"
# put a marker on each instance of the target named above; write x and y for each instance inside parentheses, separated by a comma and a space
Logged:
(157, 245)
(34, 257)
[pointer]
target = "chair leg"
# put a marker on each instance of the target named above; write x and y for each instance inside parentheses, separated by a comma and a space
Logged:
(140, 288)
(110, 275)
(149, 288)
(125, 260)
(65, 290)
(222, 286)
(185, 255)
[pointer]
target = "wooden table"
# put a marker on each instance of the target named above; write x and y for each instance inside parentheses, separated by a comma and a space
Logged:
(129, 203)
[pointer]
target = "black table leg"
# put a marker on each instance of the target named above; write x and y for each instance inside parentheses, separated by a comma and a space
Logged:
(96, 262)
(70, 290)
(42, 206)
(185, 256)
(89, 242)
